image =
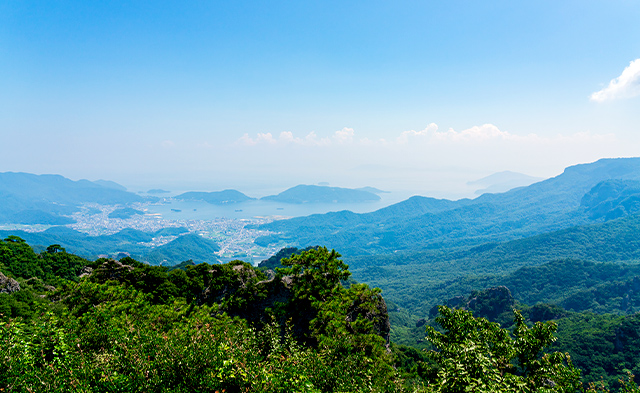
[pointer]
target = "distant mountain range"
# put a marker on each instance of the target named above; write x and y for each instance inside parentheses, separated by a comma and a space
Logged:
(427, 223)
(295, 195)
(46, 199)
(323, 194)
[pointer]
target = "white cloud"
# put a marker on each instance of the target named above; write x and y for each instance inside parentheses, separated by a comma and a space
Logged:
(344, 136)
(429, 136)
(404, 137)
(476, 133)
(627, 85)
(312, 140)
(260, 138)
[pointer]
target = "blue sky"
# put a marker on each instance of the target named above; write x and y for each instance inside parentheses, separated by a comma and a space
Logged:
(410, 95)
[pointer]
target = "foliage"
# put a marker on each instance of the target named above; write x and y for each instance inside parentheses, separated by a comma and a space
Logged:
(133, 327)
(473, 354)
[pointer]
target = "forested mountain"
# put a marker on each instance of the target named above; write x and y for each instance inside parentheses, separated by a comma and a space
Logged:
(564, 249)
(46, 199)
(322, 194)
(128, 241)
(189, 246)
(121, 325)
(546, 206)
(418, 280)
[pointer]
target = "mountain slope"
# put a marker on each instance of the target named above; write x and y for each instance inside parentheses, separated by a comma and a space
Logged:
(46, 199)
(190, 246)
(425, 223)
(418, 280)
(128, 240)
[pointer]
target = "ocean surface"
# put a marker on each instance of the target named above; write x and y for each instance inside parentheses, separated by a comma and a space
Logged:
(199, 210)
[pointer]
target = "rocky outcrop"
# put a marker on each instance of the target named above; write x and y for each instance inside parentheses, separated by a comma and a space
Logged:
(489, 303)
(8, 285)
(86, 271)
(111, 270)
(375, 310)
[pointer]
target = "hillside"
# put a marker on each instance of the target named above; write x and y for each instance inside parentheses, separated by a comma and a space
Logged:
(418, 280)
(46, 199)
(425, 223)
(128, 241)
(190, 246)
(110, 325)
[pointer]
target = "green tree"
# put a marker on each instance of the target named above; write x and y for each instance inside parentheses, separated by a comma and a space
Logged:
(315, 273)
(473, 354)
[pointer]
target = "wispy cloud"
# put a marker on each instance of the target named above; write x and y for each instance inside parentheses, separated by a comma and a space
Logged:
(627, 85)
(259, 139)
(431, 129)
(344, 136)
(430, 135)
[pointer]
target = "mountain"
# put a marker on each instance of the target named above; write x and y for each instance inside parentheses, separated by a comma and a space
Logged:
(427, 223)
(215, 198)
(612, 199)
(503, 182)
(190, 246)
(46, 199)
(128, 240)
(419, 280)
(322, 194)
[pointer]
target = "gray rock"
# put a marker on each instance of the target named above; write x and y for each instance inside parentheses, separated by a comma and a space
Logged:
(8, 285)
(86, 271)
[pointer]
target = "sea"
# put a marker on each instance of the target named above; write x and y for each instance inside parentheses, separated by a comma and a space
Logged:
(172, 209)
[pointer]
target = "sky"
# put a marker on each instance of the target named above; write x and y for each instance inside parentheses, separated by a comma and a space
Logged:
(418, 96)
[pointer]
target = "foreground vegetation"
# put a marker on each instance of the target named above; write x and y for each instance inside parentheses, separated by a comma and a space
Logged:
(109, 326)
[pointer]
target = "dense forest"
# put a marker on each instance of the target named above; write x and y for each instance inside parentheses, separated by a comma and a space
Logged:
(71, 324)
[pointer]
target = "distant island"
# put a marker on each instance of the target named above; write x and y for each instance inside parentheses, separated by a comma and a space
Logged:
(502, 182)
(322, 194)
(215, 198)
(158, 191)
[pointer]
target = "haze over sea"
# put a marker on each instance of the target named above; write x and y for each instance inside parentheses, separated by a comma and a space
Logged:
(200, 210)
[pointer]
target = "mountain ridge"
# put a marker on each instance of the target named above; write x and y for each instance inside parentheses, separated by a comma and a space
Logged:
(549, 205)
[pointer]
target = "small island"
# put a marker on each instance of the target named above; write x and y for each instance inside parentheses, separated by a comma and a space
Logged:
(322, 194)
(158, 191)
(216, 197)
